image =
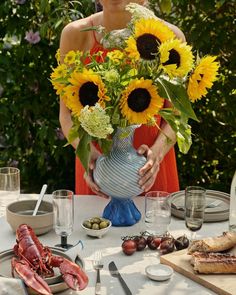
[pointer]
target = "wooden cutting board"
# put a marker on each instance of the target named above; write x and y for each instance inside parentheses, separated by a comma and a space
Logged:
(222, 284)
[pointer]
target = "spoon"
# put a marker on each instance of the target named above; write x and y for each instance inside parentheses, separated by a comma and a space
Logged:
(43, 190)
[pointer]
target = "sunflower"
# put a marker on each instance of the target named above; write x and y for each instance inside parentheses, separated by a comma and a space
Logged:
(59, 72)
(140, 101)
(176, 58)
(85, 88)
(148, 35)
(202, 77)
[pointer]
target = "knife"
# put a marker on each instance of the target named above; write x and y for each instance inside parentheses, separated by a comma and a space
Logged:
(115, 273)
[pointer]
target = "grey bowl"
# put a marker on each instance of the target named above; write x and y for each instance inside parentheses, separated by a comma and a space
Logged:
(21, 212)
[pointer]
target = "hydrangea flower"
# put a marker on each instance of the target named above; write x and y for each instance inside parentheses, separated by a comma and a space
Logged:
(32, 37)
(95, 121)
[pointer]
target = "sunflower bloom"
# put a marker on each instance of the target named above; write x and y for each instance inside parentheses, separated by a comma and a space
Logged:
(140, 101)
(148, 35)
(85, 88)
(202, 77)
(59, 72)
(176, 58)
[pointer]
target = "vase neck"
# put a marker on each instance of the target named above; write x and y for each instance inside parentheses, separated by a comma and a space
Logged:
(123, 138)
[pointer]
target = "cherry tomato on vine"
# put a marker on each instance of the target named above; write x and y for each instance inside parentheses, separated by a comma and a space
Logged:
(129, 247)
(140, 242)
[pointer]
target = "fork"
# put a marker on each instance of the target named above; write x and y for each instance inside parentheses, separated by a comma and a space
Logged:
(98, 265)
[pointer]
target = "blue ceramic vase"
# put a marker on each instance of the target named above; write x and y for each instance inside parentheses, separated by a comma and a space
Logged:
(117, 176)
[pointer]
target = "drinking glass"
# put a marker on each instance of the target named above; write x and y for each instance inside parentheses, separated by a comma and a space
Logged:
(9, 187)
(195, 202)
(157, 212)
(63, 209)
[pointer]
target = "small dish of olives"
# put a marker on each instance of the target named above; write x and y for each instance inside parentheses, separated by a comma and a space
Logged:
(96, 226)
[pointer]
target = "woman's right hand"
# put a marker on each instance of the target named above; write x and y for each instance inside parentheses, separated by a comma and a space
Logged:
(94, 154)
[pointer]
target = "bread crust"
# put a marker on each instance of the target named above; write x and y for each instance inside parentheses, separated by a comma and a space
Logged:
(210, 263)
(215, 244)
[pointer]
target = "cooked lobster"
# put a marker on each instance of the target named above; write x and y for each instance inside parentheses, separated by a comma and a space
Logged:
(35, 262)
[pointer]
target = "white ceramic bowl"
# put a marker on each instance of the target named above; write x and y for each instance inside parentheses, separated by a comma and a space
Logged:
(159, 272)
(20, 212)
(96, 232)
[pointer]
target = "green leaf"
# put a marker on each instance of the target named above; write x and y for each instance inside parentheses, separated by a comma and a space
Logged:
(105, 145)
(178, 96)
(181, 127)
(83, 150)
(165, 6)
(73, 134)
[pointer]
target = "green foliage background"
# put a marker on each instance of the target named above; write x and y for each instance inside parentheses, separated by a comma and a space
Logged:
(30, 136)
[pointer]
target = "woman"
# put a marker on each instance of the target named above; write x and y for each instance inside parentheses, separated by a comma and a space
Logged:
(160, 171)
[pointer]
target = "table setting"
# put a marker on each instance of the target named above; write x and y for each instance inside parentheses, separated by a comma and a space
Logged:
(97, 255)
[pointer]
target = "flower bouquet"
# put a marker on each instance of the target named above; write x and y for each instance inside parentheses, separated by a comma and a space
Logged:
(126, 84)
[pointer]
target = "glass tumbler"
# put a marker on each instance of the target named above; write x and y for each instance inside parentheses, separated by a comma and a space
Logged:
(9, 187)
(63, 208)
(157, 212)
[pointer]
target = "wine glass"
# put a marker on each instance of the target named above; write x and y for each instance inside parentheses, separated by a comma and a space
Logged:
(63, 208)
(195, 199)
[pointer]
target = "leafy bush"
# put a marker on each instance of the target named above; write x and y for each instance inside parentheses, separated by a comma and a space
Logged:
(209, 27)
(29, 126)
(30, 136)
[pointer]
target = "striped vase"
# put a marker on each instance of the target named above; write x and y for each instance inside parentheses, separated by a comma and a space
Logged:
(117, 176)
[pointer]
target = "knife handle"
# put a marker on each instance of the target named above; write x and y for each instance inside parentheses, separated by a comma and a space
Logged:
(124, 285)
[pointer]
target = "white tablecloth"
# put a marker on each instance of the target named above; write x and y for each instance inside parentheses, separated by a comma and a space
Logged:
(132, 267)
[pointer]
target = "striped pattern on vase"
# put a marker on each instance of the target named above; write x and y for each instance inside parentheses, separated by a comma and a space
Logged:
(117, 174)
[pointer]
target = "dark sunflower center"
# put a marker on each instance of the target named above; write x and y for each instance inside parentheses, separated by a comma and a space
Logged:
(147, 46)
(174, 58)
(200, 79)
(88, 94)
(139, 100)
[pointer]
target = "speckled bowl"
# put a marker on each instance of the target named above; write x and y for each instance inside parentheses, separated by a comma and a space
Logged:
(99, 233)
(21, 212)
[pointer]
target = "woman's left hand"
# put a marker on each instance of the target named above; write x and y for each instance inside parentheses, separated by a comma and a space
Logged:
(149, 171)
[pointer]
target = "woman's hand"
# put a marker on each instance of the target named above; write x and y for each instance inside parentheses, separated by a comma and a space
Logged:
(89, 176)
(149, 171)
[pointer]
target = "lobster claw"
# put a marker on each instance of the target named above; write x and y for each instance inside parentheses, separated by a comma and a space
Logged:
(31, 278)
(72, 273)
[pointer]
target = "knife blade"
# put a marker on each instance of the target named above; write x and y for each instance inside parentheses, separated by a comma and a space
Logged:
(115, 273)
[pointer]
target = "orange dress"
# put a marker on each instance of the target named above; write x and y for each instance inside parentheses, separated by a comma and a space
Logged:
(167, 177)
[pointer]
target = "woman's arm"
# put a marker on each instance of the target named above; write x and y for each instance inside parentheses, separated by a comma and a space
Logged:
(165, 140)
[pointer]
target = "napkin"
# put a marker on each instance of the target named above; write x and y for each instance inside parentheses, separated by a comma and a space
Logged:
(10, 286)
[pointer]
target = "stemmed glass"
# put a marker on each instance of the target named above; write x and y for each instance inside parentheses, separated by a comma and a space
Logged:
(63, 208)
(195, 200)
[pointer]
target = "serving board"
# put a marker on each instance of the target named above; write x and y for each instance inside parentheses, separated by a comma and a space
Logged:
(222, 284)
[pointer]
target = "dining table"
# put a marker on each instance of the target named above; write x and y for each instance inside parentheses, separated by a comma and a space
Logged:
(132, 268)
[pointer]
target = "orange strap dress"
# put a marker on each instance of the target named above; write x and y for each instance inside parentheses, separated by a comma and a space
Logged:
(167, 177)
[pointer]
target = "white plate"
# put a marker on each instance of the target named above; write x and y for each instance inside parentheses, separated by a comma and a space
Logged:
(56, 283)
(159, 272)
(218, 213)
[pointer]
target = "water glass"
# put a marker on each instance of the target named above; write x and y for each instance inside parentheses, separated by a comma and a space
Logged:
(63, 208)
(195, 202)
(157, 212)
(9, 187)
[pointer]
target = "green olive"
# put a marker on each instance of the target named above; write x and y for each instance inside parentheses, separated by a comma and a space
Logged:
(103, 224)
(95, 226)
(95, 220)
(87, 224)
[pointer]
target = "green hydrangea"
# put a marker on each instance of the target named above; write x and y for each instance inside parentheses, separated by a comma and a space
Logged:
(95, 121)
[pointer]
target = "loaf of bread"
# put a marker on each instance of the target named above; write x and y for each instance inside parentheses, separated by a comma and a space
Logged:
(210, 263)
(215, 244)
